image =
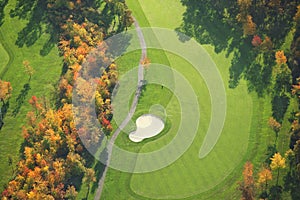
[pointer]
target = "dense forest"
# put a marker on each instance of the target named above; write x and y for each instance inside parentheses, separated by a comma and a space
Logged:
(55, 162)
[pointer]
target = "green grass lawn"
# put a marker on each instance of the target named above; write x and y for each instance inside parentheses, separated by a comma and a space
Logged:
(245, 135)
(47, 72)
(188, 176)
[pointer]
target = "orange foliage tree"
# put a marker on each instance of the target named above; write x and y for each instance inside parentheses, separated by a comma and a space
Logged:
(264, 175)
(5, 91)
(280, 57)
(275, 126)
(52, 157)
(247, 185)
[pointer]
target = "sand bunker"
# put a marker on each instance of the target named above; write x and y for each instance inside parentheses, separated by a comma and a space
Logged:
(148, 126)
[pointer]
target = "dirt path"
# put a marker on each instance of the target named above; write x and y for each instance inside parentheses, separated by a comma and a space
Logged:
(131, 111)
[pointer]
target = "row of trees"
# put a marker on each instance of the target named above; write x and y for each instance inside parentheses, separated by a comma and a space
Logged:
(53, 163)
(286, 67)
(253, 186)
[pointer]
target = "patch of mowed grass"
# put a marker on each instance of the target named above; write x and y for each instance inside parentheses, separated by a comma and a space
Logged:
(126, 63)
(47, 72)
(161, 13)
(117, 182)
(137, 12)
(152, 94)
(201, 175)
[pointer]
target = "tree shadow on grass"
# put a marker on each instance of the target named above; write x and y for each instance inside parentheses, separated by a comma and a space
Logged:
(280, 105)
(214, 23)
(3, 109)
(48, 46)
(35, 12)
(99, 169)
(20, 99)
(3, 3)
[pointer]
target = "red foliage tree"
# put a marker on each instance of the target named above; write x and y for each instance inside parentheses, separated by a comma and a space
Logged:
(256, 41)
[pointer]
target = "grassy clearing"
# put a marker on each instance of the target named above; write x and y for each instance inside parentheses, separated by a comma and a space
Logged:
(47, 72)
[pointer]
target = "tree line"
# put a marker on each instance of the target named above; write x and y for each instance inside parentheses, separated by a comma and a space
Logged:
(53, 163)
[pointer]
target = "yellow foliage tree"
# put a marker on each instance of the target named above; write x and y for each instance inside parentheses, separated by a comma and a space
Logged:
(28, 69)
(5, 91)
(264, 175)
(277, 163)
(280, 58)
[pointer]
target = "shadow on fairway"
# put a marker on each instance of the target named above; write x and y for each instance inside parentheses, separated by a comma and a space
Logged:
(215, 23)
(35, 12)
(99, 170)
(3, 3)
(20, 99)
(3, 112)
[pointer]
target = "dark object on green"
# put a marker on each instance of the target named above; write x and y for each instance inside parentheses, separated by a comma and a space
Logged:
(1, 120)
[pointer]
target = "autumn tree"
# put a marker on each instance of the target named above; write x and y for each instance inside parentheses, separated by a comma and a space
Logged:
(266, 44)
(249, 27)
(256, 41)
(264, 176)
(280, 58)
(282, 75)
(247, 185)
(28, 69)
(88, 179)
(51, 158)
(71, 193)
(277, 163)
(5, 91)
(275, 126)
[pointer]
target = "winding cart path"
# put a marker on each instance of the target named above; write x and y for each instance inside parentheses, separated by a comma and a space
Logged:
(131, 111)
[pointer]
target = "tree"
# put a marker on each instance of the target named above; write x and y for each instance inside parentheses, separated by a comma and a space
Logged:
(280, 57)
(89, 177)
(266, 44)
(275, 126)
(247, 186)
(244, 5)
(256, 41)
(282, 74)
(71, 193)
(264, 175)
(5, 91)
(249, 27)
(277, 163)
(28, 69)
